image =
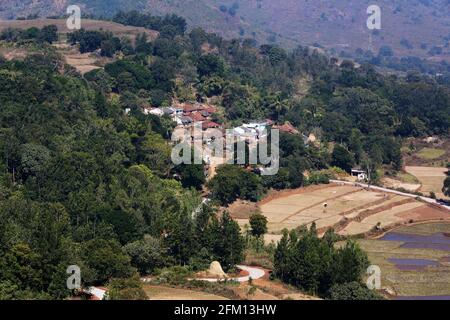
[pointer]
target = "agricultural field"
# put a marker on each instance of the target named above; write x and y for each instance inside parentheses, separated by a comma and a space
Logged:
(414, 260)
(349, 210)
(431, 178)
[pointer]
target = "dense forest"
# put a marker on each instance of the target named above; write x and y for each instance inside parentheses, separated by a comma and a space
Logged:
(82, 182)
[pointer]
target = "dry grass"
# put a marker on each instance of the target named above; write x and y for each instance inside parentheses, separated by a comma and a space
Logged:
(430, 153)
(431, 178)
(167, 293)
(397, 184)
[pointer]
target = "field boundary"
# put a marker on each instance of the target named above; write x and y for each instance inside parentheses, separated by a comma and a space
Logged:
(318, 203)
(276, 194)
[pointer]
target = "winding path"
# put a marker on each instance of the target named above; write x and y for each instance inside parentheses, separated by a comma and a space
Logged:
(253, 272)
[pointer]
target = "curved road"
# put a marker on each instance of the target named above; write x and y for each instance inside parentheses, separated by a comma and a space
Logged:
(254, 273)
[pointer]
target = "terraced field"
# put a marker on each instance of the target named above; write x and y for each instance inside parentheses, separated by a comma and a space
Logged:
(350, 210)
(414, 260)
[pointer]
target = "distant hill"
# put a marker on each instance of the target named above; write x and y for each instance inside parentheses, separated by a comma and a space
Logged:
(410, 27)
(117, 28)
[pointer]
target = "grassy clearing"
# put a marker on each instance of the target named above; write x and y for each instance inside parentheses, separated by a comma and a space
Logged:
(407, 178)
(430, 153)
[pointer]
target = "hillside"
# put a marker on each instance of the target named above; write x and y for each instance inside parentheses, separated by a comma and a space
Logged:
(410, 27)
(88, 177)
(117, 28)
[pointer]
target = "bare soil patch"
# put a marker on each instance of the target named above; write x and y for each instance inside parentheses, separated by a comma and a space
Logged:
(243, 209)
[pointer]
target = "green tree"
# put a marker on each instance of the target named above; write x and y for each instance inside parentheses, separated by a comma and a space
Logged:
(49, 34)
(210, 64)
(233, 182)
(258, 224)
(446, 187)
(126, 289)
(342, 158)
(353, 291)
(229, 248)
(106, 259)
(147, 254)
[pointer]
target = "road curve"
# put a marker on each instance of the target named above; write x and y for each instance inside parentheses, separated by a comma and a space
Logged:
(253, 272)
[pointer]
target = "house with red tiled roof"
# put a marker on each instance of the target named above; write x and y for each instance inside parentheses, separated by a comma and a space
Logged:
(287, 128)
(210, 109)
(197, 116)
(210, 125)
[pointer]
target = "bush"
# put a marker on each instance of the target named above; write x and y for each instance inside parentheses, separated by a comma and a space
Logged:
(126, 289)
(146, 255)
(353, 291)
(176, 275)
(319, 178)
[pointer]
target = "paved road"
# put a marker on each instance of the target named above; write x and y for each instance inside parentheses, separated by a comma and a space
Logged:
(254, 273)
(97, 293)
(364, 185)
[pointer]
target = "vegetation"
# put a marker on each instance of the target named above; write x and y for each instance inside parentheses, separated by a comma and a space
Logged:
(258, 225)
(446, 187)
(353, 291)
(47, 34)
(430, 153)
(315, 265)
(84, 182)
(232, 182)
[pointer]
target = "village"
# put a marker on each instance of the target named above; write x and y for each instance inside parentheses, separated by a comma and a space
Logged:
(197, 119)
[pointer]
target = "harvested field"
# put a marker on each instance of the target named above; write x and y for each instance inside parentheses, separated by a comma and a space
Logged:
(431, 178)
(350, 210)
(396, 184)
(401, 214)
(287, 208)
(167, 293)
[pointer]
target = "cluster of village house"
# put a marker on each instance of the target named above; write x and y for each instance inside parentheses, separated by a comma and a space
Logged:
(186, 115)
(189, 115)
(196, 118)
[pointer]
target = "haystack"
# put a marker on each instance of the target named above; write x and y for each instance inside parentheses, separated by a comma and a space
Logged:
(215, 269)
